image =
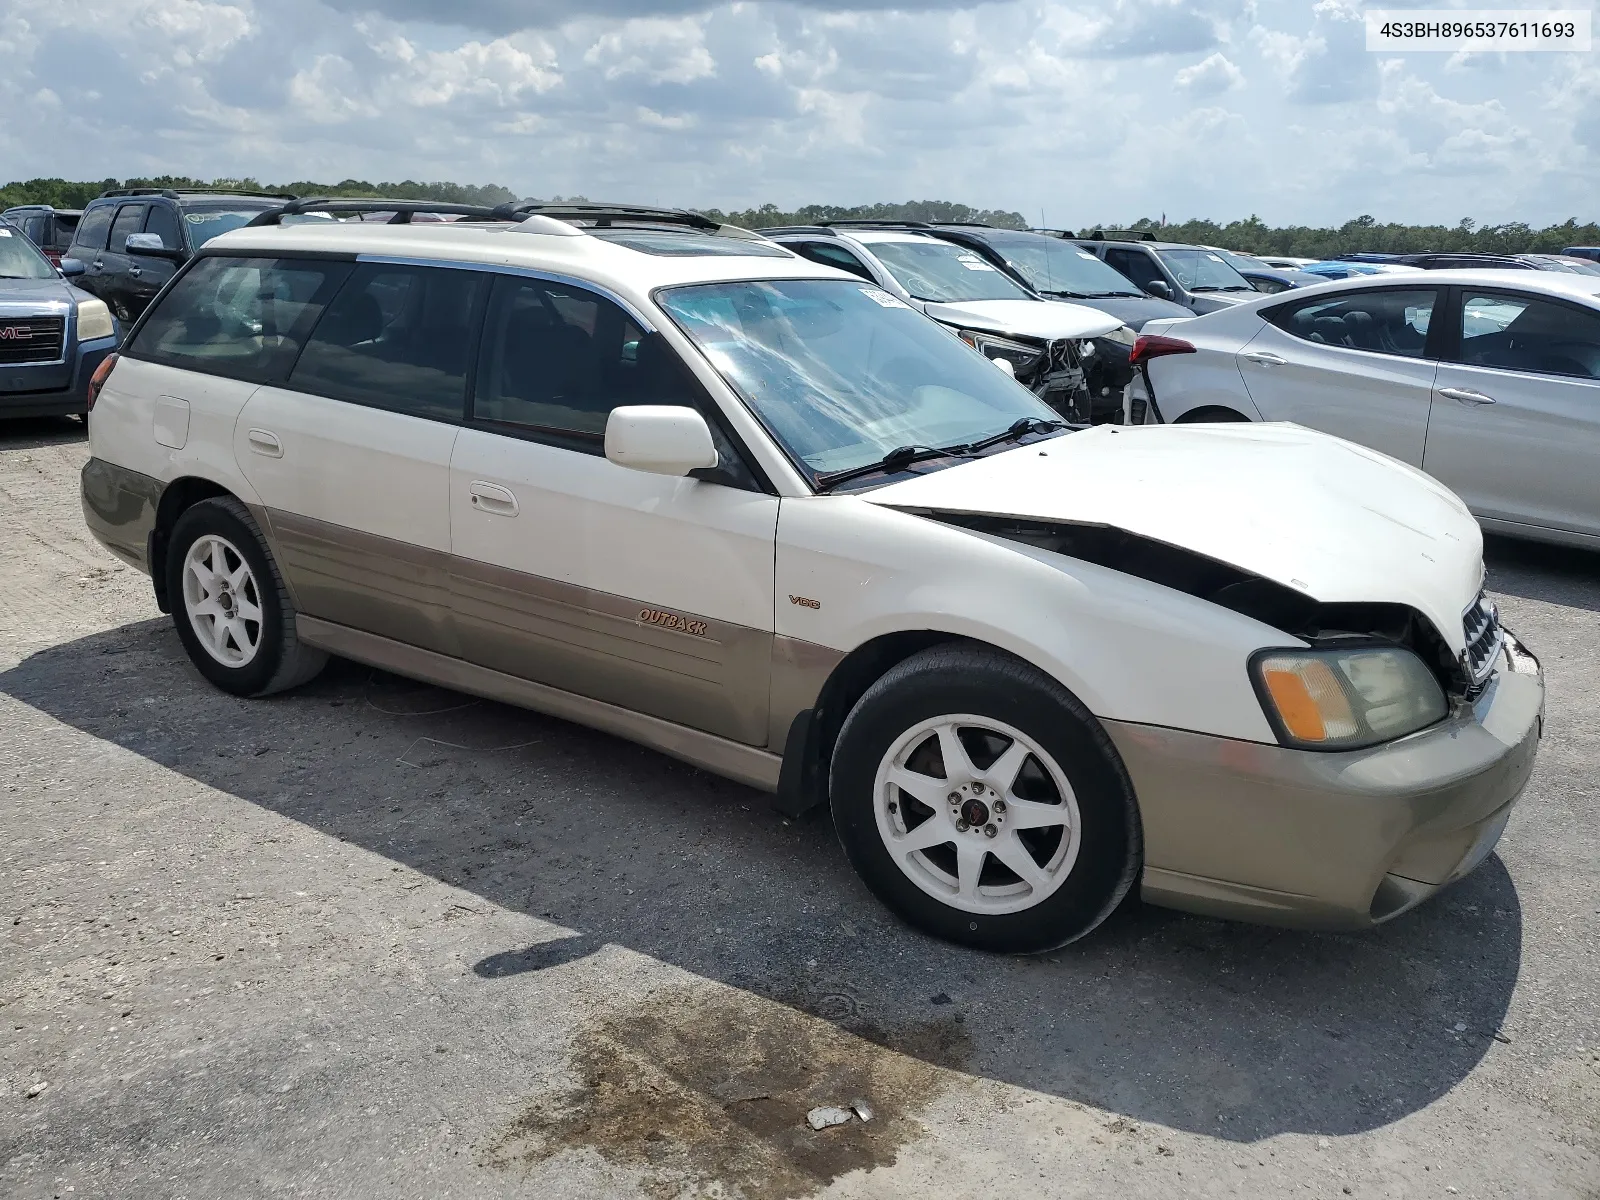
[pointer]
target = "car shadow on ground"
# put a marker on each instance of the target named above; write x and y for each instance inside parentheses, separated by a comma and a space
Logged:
(29, 433)
(1562, 575)
(1226, 1029)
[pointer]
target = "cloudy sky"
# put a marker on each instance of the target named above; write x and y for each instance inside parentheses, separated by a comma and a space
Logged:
(1079, 112)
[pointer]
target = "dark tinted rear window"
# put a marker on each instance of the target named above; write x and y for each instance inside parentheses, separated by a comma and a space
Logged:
(397, 338)
(92, 230)
(245, 318)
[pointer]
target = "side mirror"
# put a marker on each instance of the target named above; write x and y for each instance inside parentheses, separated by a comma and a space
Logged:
(148, 243)
(661, 439)
(1159, 289)
(71, 267)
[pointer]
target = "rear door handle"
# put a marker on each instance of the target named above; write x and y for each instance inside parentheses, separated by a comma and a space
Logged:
(1466, 396)
(492, 498)
(265, 443)
(1265, 358)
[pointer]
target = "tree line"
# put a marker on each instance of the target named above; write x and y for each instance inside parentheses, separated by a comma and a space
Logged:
(1252, 235)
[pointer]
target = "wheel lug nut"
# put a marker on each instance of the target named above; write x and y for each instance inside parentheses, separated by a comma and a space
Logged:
(955, 797)
(999, 806)
(989, 831)
(962, 827)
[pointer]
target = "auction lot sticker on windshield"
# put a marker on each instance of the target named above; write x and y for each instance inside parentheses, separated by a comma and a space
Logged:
(883, 298)
(973, 263)
(1456, 29)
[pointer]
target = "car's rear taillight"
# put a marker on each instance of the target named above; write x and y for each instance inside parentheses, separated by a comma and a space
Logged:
(1153, 345)
(98, 379)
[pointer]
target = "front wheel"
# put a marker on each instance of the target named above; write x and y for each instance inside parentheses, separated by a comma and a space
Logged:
(230, 605)
(981, 802)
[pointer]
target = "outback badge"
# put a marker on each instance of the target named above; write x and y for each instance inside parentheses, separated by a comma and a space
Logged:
(671, 620)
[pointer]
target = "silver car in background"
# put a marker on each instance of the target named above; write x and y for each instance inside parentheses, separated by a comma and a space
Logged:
(1487, 380)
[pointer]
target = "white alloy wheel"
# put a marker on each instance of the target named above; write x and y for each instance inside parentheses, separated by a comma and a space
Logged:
(977, 814)
(222, 601)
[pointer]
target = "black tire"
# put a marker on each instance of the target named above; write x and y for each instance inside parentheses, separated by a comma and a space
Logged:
(966, 678)
(1210, 416)
(281, 660)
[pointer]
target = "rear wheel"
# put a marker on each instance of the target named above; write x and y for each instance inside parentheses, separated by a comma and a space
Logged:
(231, 607)
(982, 803)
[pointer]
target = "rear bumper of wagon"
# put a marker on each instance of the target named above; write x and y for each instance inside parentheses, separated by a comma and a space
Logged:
(1333, 840)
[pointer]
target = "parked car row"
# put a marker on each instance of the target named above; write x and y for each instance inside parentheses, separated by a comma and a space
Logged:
(769, 515)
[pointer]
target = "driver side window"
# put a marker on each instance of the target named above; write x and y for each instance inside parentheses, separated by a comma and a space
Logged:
(1394, 321)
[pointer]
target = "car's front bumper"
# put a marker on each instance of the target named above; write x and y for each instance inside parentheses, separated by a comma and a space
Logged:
(1332, 840)
(52, 388)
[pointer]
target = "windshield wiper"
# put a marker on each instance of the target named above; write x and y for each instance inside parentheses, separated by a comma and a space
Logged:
(899, 457)
(1016, 432)
(1108, 295)
(1069, 295)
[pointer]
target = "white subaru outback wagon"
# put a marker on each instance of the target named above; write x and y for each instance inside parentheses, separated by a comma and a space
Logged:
(666, 479)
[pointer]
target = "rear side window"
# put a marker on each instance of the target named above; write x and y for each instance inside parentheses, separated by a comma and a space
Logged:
(245, 318)
(61, 231)
(92, 230)
(130, 219)
(833, 256)
(1518, 333)
(164, 221)
(1394, 321)
(556, 360)
(397, 338)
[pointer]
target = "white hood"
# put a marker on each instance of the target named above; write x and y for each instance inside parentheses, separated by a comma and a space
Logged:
(1330, 519)
(1044, 319)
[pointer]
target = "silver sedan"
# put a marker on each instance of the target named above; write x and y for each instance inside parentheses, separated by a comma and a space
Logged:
(1487, 380)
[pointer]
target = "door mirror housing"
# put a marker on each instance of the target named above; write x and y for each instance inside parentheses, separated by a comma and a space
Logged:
(1159, 289)
(71, 267)
(660, 439)
(148, 244)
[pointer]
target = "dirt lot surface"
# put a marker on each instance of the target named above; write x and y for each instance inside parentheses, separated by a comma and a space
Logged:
(377, 939)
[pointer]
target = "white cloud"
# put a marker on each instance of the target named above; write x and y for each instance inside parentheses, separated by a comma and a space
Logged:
(656, 50)
(1209, 77)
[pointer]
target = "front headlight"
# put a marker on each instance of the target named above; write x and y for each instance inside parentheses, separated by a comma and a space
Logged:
(1122, 335)
(94, 320)
(1346, 699)
(1022, 357)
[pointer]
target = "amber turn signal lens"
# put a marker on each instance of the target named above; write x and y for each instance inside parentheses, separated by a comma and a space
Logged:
(1310, 702)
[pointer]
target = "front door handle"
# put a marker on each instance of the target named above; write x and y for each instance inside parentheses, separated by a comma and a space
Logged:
(135, 272)
(1265, 358)
(1466, 396)
(492, 498)
(265, 443)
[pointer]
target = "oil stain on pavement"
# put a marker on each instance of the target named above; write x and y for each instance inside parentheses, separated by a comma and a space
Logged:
(706, 1090)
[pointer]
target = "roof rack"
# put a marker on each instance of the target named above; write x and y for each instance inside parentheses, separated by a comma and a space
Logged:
(175, 193)
(883, 224)
(1120, 235)
(596, 215)
(1060, 233)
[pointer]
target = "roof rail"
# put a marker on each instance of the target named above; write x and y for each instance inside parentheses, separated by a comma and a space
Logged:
(597, 215)
(1060, 233)
(1120, 235)
(879, 223)
(175, 193)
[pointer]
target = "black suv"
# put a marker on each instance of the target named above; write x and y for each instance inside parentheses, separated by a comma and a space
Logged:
(46, 226)
(132, 240)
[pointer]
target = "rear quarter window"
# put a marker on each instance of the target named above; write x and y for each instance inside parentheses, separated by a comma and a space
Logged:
(245, 318)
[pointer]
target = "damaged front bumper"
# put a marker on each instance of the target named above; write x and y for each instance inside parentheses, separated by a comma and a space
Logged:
(1342, 840)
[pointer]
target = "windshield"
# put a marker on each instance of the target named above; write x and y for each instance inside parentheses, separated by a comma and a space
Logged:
(1061, 268)
(206, 223)
(1244, 262)
(939, 272)
(18, 257)
(841, 373)
(1203, 271)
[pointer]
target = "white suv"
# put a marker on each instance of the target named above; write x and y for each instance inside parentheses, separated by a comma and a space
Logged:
(669, 480)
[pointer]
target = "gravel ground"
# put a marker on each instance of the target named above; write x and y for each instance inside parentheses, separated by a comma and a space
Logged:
(377, 939)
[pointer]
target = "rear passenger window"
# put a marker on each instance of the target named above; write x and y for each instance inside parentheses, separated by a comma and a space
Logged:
(397, 338)
(556, 360)
(1519, 333)
(92, 229)
(130, 219)
(245, 318)
(1394, 321)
